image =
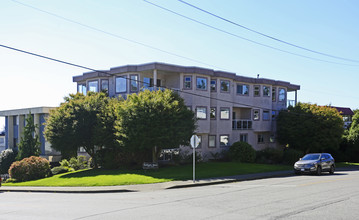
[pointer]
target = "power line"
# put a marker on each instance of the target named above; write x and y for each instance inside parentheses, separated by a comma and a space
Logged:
(116, 35)
(266, 35)
(240, 37)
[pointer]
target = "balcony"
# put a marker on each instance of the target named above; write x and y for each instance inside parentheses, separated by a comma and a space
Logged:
(238, 124)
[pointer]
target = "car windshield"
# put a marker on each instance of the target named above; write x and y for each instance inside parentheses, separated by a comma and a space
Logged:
(311, 157)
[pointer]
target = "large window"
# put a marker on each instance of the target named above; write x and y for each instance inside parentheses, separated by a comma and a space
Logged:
(201, 83)
(104, 85)
(224, 113)
(256, 114)
(265, 115)
(257, 90)
(212, 141)
(121, 84)
(224, 140)
(274, 94)
(187, 82)
(224, 86)
(243, 138)
(81, 88)
(213, 85)
(242, 89)
(201, 112)
(134, 83)
(281, 95)
(213, 113)
(93, 86)
(266, 91)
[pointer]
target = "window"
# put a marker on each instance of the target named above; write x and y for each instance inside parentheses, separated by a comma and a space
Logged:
(81, 88)
(201, 83)
(274, 115)
(212, 141)
(243, 138)
(104, 85)
(201, 112)
(213, 113)
(260, 139)
(272, 138)
(93, 86)
(121, 84)
(266, 91)
(213, 85)
(242, 89)
(224, 140)
(199, 141)
(265, 115)
(147, 82)
(187, 82)
(256, 114)
(224, 113)
(134, 83)
(281, 95)
(256, 90)
(224, 86)
(274, 89)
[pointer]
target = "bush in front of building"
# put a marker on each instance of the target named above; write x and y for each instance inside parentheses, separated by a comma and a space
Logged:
(30, 168)
(7, 157)
(291, 156)
(242, 152)
(270, 156)
(59, 169)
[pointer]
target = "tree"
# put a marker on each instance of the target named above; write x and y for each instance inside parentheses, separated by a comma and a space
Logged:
(150, 121)
(82, 121)
(29, 144)
(310, 128)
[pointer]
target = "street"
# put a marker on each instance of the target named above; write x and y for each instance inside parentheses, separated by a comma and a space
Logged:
(294, 197)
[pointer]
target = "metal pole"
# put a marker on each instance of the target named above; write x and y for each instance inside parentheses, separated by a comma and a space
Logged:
(194, 161)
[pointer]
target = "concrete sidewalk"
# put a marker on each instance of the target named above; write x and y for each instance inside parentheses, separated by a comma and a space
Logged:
(156, 186)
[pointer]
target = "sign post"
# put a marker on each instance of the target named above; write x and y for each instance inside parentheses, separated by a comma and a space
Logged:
(194, 144)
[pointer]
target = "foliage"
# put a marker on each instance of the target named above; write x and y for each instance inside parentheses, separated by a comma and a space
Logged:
(243, 152)
(291, 156)
(75, 163)
(29, 144)
(30, 168)
(7, 157)
(270, 156)
(150, 121)
(59, 169)
(310, 128)
(353, 135)
(82, 121)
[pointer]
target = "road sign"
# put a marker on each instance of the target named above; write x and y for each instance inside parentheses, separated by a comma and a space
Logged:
(194, 141)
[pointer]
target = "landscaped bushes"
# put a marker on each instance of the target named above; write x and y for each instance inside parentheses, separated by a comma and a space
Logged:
(291, 156)
(270, 156)
(75, 163)
(7, 157)
(243, 152)
(30, 168)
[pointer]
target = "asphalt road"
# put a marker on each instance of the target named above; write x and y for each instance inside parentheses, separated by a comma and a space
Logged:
(295, 197)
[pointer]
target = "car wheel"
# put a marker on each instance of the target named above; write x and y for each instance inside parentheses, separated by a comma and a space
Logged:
(331, 171)
(319, 170)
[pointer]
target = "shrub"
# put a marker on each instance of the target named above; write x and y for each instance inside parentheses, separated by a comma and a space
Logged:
(291, 156)
(78, 163)
(243, 152)
(30, 168)
(59, 169)
(7, 157)
(270, 156)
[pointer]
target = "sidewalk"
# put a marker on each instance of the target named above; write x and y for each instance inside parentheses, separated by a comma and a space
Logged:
(155, 186)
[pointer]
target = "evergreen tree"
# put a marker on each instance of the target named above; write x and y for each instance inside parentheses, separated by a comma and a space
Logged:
(29, 143)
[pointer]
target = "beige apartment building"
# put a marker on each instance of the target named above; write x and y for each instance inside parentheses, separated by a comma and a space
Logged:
(229, 107)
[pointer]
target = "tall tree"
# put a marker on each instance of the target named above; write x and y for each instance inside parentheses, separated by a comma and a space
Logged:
(29, 144)
(82, 121)
(310, 128)
(150, 121)
(354, 130)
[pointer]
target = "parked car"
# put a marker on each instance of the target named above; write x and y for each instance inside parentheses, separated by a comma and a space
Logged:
(315, 163)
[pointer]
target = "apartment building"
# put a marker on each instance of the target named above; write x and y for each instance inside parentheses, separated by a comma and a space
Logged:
(229, 107)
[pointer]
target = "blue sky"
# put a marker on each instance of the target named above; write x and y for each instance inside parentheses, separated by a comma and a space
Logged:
(327, 26)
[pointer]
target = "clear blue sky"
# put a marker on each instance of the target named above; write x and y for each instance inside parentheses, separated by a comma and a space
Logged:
(327, 26)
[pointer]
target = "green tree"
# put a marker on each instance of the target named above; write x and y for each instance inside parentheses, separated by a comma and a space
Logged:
(310, 128)
(151, 121)
(353, 136)
(29, 143)
(82, 121)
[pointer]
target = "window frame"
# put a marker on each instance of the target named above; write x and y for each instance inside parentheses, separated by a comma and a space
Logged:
(274, 94)
(268, 115)
(93, 81)
(136, 81)
(243, 135)
(224, 135)
(190, 82)
(242, 94)
(255, 90)
(125, 79)
(285, 96)
(215, 113)
(83, 86)
(215, 85)
(209, 141)
(260, 139)
(108, 84)
(229, 113)
(204, 107)
(268, 91)
(229, 86)
(259, 113)
(206, 80)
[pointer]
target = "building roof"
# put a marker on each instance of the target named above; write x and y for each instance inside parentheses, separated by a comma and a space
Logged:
(344, 111)
(25, 111)
(182, 69)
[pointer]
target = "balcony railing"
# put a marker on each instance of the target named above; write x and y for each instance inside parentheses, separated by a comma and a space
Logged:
(239, 124)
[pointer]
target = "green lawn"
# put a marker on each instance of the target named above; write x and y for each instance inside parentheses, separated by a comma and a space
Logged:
(99, 177)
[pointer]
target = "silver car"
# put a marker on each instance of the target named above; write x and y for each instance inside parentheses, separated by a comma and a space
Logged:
(315, 163)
